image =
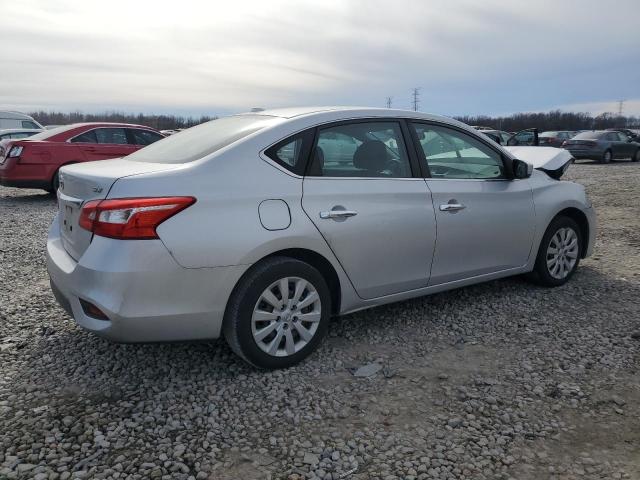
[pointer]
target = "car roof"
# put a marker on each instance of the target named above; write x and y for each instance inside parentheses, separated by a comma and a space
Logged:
(14, 115)
(337, 113)
(19, 130)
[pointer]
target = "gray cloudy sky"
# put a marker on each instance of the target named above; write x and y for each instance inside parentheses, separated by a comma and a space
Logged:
(214, 57)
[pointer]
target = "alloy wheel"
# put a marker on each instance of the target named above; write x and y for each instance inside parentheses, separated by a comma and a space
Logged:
(286, 316)
(562, 253)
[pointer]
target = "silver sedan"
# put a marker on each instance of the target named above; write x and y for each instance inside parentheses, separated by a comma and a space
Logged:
(259, 227)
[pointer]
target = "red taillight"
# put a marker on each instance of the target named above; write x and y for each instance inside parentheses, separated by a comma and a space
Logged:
(130, 218)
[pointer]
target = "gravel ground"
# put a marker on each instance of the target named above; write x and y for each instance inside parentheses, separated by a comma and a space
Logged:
(501, 380)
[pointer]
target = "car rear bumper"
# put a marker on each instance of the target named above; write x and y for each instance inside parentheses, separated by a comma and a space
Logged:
(586, 153)
(137, 284)
(14, 174)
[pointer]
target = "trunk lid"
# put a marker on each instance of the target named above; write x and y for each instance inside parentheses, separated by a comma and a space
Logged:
(553, 161)
(82, 182)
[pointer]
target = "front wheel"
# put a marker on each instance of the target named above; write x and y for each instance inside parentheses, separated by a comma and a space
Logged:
(636, 156)
(559, 253)
(278, 313)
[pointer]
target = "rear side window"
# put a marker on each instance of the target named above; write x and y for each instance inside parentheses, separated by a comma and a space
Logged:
(112, 136)
(197, 142)
(29, 124)
(361, 149)
(144, 137)
(293, 152)
(86, 137)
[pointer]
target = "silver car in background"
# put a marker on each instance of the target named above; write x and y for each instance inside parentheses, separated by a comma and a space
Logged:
(259, 227)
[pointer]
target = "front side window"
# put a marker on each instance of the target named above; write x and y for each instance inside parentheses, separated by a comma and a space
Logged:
(145, 137)
(363, 149)
(449, 153)
(622, 137)
(111, 136)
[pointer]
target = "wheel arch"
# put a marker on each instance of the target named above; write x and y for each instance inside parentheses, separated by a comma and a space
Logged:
(320, 263)
(313, 258)
(580, 218)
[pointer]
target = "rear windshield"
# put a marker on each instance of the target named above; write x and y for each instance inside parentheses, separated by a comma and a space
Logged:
(51, 132)
(197, 142)
(587, 136)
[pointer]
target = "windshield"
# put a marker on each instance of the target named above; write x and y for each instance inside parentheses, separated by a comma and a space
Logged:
(587, 135)
(199, 141)
(548, 134)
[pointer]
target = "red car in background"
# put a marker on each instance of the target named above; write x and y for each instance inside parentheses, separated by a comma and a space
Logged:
(33, 162)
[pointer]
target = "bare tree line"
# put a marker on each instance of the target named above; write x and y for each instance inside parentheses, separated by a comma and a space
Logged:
(159, 122)
(554, 120)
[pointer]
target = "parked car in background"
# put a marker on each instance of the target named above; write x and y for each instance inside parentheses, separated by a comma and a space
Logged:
(554, 138)
(34, 162)
(17, 133)
(632, 134)
(18, 120)
(603, 145)
(528, 138)
(172, 131)
(246, 227)
(499, 136)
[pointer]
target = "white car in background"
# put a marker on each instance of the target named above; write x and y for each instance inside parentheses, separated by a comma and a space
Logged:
(18, 120)
(17, 133)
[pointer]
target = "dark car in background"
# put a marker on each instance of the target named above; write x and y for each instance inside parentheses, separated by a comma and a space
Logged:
(603, 145)
(555, 138)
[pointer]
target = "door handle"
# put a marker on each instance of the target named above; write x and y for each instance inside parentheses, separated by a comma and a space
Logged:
(338, 214)
(452, 207)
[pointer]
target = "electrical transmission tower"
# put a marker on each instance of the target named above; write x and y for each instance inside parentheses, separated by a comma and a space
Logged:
(620, 107)
(389, 100)
(416, 98)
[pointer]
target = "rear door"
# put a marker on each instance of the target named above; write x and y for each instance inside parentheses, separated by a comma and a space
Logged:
(485, 221)
(375, 215)
(104, 143)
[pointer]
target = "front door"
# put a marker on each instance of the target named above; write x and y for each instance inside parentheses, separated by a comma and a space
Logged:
(377, 219)
(485, 221)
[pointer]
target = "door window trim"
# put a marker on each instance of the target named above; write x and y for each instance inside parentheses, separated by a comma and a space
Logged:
(424, 165)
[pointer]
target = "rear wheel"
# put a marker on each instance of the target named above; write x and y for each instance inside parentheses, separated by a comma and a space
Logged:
(278, 313)
(55, 184)
(559, 253)
(636, 156)
(606, 156)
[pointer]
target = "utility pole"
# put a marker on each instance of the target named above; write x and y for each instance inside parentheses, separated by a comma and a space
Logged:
(389, 100)
(416, 98)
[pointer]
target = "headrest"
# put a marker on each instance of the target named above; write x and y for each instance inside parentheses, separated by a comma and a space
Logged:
(372, 155)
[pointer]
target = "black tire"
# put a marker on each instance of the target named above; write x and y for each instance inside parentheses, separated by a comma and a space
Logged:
(607, 156)
(55, 184)
(636, 156)
(237, 325)
(541, 273)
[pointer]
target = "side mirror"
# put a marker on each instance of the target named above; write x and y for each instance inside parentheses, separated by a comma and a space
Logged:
(521, 169)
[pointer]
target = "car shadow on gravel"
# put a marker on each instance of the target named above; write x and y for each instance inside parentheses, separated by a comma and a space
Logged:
(30, 197)
(471, 314)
